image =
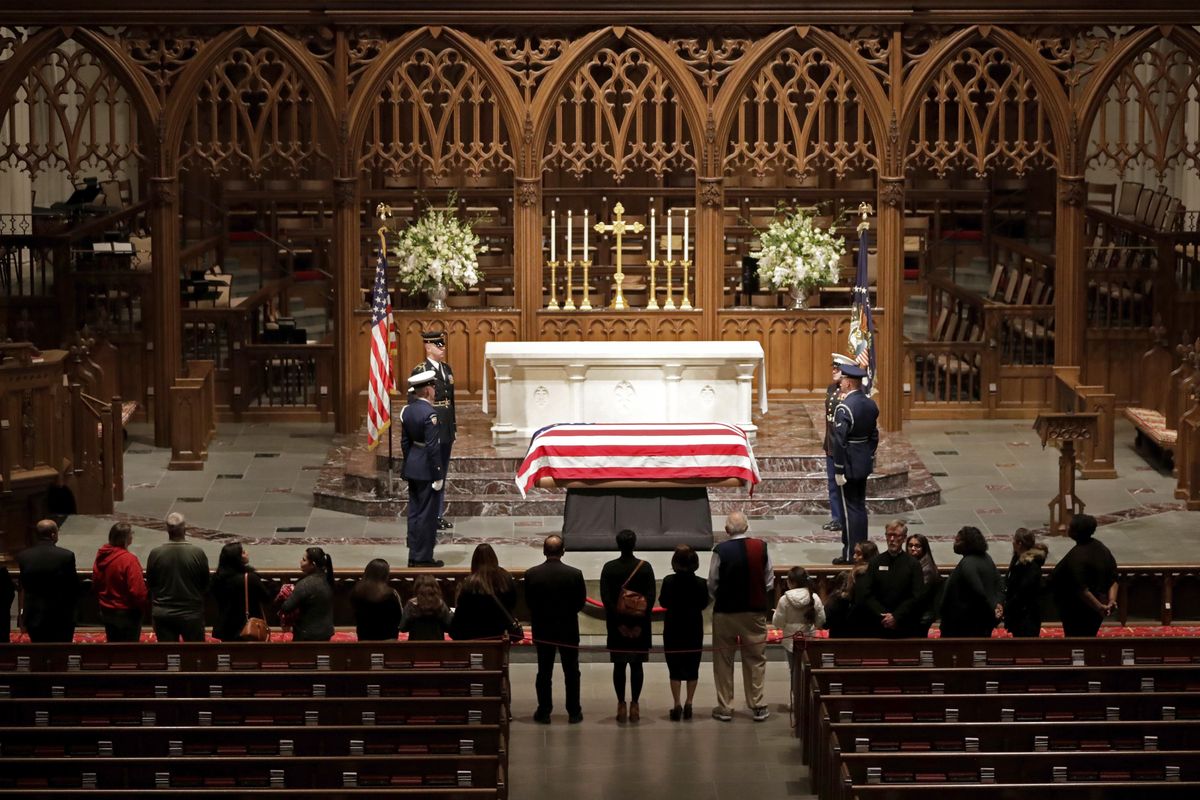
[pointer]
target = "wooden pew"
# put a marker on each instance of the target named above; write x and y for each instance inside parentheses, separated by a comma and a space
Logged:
(1151, 418)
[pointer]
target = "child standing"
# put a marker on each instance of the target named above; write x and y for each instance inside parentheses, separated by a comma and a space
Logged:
(799, 612)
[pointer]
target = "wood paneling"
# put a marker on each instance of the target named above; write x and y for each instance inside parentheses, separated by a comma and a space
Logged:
(798, 346)
(609, 326)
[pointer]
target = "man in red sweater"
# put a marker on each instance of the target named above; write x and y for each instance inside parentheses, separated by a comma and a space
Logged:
(117, 576)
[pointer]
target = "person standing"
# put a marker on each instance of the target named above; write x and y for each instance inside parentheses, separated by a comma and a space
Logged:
(833, 395)
(742, 583)
(117, 579)
(971, 602)
(421, 429)
(1085, 581)
(555, 594)
(238, 591)
(50, 586)
(1023, 591)
(312, 600)
(8, 591)
(886, 595)
(443, 401)
(627, 583)
(855, 439)
(685, 596)
(177, 576)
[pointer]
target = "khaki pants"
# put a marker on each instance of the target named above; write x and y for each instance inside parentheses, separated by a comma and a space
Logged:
(750, 628)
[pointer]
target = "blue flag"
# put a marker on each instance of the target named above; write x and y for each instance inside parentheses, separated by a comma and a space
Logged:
(862, 322)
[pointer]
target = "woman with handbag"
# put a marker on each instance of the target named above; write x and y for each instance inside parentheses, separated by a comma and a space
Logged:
(486, 599)
(627, 591)
(240, 596)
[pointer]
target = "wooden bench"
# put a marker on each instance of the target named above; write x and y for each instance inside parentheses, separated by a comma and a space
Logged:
(1151, 417)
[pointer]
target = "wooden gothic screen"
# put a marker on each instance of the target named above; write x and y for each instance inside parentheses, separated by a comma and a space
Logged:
(716, 117)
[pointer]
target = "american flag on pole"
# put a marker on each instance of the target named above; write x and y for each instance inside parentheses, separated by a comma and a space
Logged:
(379, 404)
(862, 322)
(638, 452)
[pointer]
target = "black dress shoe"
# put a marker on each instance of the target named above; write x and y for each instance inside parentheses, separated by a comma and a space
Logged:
(832, 525)
(575, 718)
(543, 719)
(445, 524)
(434, 563)
(840, 562)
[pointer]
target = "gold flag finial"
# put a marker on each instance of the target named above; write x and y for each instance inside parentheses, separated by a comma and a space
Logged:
(865, 210)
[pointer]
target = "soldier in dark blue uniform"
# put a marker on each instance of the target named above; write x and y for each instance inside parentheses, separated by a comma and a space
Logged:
(833, 395)
(443, 401)
(421, 444)
(855, 438)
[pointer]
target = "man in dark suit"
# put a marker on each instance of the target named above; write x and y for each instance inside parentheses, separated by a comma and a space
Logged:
(555, 594)
(855, 439)
(420, 442)
(50, 585)
(443, 401)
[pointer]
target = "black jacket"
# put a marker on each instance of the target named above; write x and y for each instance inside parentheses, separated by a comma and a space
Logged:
(611, 578)
(479, 616)
(891, 584)
(555, 594)
(969, 600)
(229, 590)
(50, 584)
(1023, 595)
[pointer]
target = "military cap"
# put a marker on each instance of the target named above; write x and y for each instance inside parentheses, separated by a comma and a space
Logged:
(434, 337)
(421, 380)
(853, 371)
(840, 360)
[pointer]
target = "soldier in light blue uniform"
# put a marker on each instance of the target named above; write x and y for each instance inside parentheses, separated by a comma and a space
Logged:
(420, 442)
(855, 439)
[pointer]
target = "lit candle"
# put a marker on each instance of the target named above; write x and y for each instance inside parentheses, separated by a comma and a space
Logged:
(552, 229)
(686, 212)
(653, 233)
(569, 213)
(585, 234)
(670, 216)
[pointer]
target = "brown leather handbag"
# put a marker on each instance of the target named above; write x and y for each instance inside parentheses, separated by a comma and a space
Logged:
(255, 629)
(629, 602)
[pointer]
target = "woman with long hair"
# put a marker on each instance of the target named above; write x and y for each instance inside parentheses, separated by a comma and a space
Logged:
(376, 604)
(927, 602)
(312, 599)
(486, 598)
(1023, 592)
(235, 579)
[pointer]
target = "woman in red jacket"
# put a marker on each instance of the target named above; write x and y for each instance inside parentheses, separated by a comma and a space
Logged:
(117, 577)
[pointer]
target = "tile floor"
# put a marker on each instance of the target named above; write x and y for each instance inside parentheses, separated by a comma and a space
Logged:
(257, 488)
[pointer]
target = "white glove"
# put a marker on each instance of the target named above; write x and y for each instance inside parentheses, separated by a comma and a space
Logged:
(437, 485)
(839, 479)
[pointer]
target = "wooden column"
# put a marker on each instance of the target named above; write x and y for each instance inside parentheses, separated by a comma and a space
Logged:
(889, 296)
(709, 266)
(1069, 278)
(527, 252)
(347, 294)
(167, 341)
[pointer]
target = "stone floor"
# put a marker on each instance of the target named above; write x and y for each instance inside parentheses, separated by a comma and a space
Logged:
(257, 488)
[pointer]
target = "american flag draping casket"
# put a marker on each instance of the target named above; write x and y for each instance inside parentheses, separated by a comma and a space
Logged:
(616, 455)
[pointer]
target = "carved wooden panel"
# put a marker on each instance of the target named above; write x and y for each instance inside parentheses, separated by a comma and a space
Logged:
(981, 113)
(798, 345)
(254, 115)
(162, 52)
(710, 60)
(618, 113)
(799, 113)
(1024, 390)
(1111, 358)
(70, 114)
(437, 115)
(527, 59)
(1143, 120)
(616, 327)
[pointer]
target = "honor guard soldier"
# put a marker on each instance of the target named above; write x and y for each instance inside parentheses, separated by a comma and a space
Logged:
(443, 401)
(421, 429)
(833, 395)
(855, 439)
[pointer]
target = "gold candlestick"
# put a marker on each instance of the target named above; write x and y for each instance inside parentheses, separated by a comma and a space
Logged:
(618, 228)
(585, 303)
(685, 304)
(653, 304)
(553, 304)
(670, 304)
(569, 305)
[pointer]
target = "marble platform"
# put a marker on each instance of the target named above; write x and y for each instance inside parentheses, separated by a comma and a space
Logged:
(481, 477)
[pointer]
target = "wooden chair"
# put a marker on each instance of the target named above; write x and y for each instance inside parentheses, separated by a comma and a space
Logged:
(1128, 203)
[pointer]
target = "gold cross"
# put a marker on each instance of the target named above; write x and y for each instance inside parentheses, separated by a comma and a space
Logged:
(618, 228)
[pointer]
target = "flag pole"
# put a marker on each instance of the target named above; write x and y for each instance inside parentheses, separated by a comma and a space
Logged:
(384, 211)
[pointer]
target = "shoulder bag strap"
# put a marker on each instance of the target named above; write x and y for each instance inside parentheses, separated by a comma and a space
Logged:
(246, 588)
(635, 569)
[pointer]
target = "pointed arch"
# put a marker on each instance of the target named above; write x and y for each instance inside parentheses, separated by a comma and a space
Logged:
(1049, 92)
(691, 101)
(871, 93)
(178, 103)
(367, 91)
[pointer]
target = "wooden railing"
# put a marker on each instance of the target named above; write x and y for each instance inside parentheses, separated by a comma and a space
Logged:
(1026, 273)
(295, 380)
(943, 378)
(1096, 457)
(193, 416)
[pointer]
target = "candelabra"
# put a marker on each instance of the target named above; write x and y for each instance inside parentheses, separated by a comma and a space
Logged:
(569, 304)
(553, 304)
(670, 304)
(652, 305)
(585, 303)
(685, 304)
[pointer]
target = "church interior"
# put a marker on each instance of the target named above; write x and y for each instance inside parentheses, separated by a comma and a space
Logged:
(198, 204)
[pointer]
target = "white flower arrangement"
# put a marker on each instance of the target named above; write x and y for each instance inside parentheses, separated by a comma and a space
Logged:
(797, 254)
(438, 249)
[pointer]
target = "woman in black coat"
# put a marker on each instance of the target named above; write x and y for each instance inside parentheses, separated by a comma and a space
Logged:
(684, 596)
(1023, 595)
(973, 597)
(234, 575)
(486, 599)
(628, 636)
(376, 605)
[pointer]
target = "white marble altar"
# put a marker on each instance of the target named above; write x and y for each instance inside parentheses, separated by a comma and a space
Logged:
(541, 383)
